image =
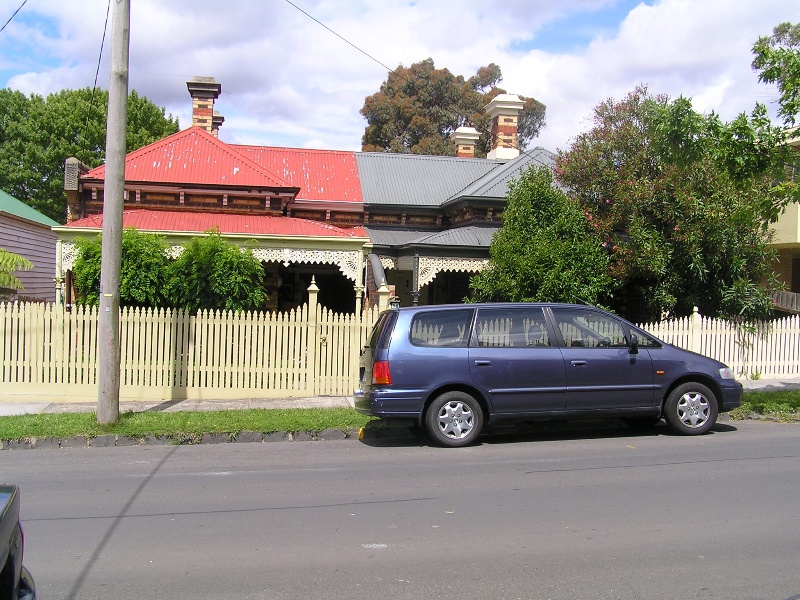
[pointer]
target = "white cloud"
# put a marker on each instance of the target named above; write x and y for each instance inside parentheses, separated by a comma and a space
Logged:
(286, 80)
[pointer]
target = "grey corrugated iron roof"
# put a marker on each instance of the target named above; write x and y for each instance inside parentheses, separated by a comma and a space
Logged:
(473, 236)
(495, 183)
(416, 180)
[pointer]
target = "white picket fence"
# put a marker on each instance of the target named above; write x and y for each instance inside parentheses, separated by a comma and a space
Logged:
(47, 354)
(51, 355)
(769, 350)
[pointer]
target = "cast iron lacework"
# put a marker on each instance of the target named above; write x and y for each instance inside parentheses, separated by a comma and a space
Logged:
(347, 261)
(430, 266)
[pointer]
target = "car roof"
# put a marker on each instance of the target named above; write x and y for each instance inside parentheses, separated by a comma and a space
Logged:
(491, 305)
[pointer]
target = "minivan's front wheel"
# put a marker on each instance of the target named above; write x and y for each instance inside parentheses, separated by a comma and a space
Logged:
(691, 409)
(454, 419)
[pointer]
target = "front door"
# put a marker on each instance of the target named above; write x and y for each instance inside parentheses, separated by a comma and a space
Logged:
(601, 372)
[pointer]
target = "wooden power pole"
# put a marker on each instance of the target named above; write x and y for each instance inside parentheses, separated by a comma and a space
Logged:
(113, 198)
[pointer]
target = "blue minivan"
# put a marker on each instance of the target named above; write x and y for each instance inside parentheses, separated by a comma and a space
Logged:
(454, 369)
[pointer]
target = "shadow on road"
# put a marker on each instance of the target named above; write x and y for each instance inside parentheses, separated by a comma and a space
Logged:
(79, 582)
(544, 431)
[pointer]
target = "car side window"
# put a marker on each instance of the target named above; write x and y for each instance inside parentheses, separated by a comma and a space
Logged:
(441, 328)
(511, 328)
(589, 329)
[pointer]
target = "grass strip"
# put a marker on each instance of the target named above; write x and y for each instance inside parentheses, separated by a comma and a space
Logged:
(182, 424)
(779, 406)
(187, 425)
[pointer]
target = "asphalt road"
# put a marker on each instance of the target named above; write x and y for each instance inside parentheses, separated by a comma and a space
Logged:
(587, 514)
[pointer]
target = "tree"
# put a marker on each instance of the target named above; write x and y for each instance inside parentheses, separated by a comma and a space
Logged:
(144, 272)
(212, 273)
(683, 202)
(10, 262)
(546, 251)
(777, 59)
(418, 107)
(38, 134)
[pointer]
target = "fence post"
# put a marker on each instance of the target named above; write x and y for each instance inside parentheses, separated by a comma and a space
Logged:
(311, 338)
(695, 331)
(383, 298)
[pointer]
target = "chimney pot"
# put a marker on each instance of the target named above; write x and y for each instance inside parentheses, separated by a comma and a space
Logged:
(504, 110)
(204, 91)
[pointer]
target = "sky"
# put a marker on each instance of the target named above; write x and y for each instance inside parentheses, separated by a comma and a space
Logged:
(289, 81)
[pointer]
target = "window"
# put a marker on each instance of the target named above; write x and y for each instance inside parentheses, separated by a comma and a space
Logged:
(441, 328)
(589, 329)
(511, 328)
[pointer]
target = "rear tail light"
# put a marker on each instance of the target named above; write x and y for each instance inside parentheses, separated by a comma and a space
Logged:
(380, 373)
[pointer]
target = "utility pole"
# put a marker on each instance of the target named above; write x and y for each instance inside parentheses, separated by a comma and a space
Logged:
(113, 198)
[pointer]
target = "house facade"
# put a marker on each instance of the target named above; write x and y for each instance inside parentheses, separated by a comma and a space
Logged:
(28, 233)
(353, 221)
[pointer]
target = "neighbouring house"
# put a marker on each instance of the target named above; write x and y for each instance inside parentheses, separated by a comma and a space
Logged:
(787, 243)
(353, 220)
(27, 232)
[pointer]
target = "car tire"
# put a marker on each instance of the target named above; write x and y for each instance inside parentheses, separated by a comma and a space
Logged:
(691, 409)
(454, 419)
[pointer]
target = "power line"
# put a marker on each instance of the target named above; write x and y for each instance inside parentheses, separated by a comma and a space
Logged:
(369, 56)
(14, 15)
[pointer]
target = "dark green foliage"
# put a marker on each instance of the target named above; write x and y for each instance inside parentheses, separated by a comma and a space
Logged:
(143, 273)
(546, 250)
(212, 273)
(38, 134)
(683, 202)
(418, 107)
(777, 60)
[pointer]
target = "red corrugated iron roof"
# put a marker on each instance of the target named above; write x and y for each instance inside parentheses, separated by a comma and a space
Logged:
(194, 156)
(328, 175)
(178, 221)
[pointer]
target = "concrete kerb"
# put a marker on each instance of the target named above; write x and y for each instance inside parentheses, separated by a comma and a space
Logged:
(108, 441)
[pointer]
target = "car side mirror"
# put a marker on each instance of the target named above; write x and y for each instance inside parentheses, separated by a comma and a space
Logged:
(633, 347)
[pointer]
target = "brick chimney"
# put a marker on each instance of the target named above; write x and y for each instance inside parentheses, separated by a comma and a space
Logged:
(465, 139)
(204, 90)
(503, 110)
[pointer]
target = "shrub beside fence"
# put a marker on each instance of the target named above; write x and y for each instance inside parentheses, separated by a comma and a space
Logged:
(51, 355)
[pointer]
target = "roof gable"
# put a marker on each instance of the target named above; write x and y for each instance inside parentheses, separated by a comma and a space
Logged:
(194, 156)
(324, 175)
(495, 183)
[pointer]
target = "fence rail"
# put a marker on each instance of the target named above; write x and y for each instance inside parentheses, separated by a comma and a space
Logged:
(47, 354)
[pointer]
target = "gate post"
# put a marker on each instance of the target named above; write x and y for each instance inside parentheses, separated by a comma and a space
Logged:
(312, 338)
(695, 331)
(383, 298)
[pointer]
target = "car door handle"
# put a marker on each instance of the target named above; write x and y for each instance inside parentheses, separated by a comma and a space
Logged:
(483, 363)
(579, 363)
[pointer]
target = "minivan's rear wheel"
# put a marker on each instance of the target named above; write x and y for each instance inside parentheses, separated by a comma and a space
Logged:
(691, 409)
(454, 419)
